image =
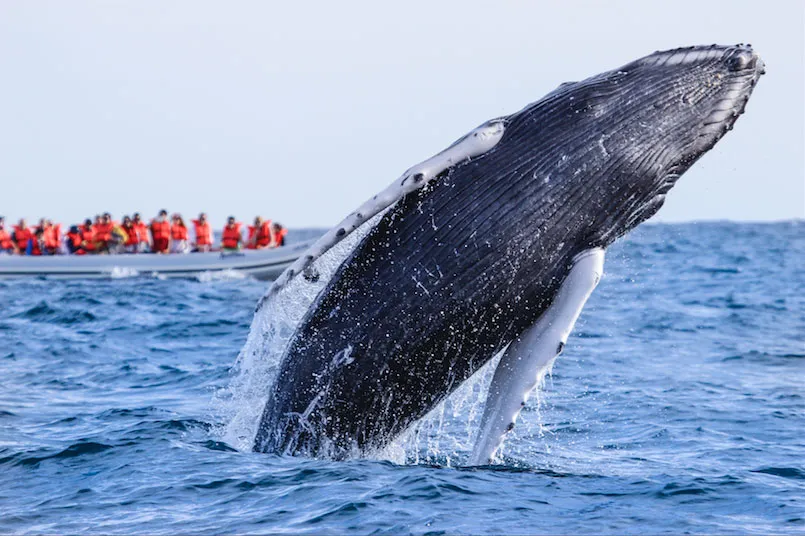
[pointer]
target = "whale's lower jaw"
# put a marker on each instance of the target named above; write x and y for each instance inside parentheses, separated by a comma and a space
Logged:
(468, 260)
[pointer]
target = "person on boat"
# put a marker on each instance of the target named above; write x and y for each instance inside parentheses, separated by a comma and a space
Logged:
(88, 237)
(179, 235)
(260, 235)
(51, 238)
(161, 232)
(35, 244)
(103, 233)
(75, 239)
(231, 238)
(132, 243)
(6, 243)
(203, 233)
(118, 238)
(142, 233)
(21, 236)
(279, 233)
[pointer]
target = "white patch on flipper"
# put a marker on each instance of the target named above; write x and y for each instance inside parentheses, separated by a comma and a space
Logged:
(476, 143)
(528, 356)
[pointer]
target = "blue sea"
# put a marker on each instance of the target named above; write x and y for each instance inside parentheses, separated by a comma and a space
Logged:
(678, 406)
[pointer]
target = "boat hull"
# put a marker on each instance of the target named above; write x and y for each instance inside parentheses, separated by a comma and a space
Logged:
(266, 264)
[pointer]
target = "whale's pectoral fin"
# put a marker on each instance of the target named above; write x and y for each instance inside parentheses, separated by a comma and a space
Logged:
(527, 358)
(475, 143)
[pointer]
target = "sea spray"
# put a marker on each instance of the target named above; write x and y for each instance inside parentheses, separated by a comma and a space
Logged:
(220, 275)
(239, 405)
(445, 436)
(447, 432)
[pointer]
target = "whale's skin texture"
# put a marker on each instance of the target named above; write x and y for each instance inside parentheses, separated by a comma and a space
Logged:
(455, 271)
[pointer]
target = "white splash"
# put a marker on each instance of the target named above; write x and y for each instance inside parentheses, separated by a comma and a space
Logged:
(123, 272)
(220, 275)
(445, 435)
(239, 405)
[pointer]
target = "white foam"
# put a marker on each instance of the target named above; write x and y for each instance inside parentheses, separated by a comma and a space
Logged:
(123, 272)
(220, 275)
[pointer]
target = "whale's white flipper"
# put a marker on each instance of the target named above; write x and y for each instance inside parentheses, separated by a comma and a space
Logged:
(475, 143)
(528, 356)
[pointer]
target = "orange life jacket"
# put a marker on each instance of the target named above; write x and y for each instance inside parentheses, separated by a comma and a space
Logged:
(231, 236)
(75, 241)
(103, 232)
(142, 232)
(160, 230)
(52, 237)
(203, 233)
(179, 232)
(132, 238)
(35, 249)
(88, 237)
(263, 234)
(5, 240)
(280, 237)
(21, 237)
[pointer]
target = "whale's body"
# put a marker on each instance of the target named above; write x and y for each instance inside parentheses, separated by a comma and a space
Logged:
(466, 262)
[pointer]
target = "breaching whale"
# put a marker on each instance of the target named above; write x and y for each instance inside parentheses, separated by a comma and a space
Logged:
(492, 245)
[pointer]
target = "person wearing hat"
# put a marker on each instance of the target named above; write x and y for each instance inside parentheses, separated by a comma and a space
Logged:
(75, 240)
(88, 237)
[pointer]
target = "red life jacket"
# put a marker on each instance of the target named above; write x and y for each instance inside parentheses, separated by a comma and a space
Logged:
(5, 240)
(52, 237)
(203, 233)
(160, 230)
(103, 232)
(35, 250)
(21, 237)
(142, 232)
(231, 236)
(280, 237)
(75, 241)
(263, 234)
(132, 238)
(179, 232)
(88, 237)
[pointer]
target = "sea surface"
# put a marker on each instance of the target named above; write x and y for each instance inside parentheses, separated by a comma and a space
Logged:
(678, 406)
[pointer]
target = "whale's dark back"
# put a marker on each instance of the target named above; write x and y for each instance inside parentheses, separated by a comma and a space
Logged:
(455, 271)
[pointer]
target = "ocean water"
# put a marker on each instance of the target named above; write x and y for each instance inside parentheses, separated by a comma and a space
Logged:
(677, 406)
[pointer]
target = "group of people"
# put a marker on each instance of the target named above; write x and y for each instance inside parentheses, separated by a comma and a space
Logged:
(132, 235)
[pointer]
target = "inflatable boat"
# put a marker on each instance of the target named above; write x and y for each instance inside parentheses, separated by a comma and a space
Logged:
(264, 264)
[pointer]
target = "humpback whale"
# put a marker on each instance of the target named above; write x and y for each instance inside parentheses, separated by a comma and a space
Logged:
(493, 245)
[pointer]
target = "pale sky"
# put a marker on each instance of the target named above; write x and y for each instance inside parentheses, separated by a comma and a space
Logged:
(299, 111)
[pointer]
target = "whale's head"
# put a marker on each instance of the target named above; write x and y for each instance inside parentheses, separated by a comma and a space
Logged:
(631, 132)
(692, 97)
